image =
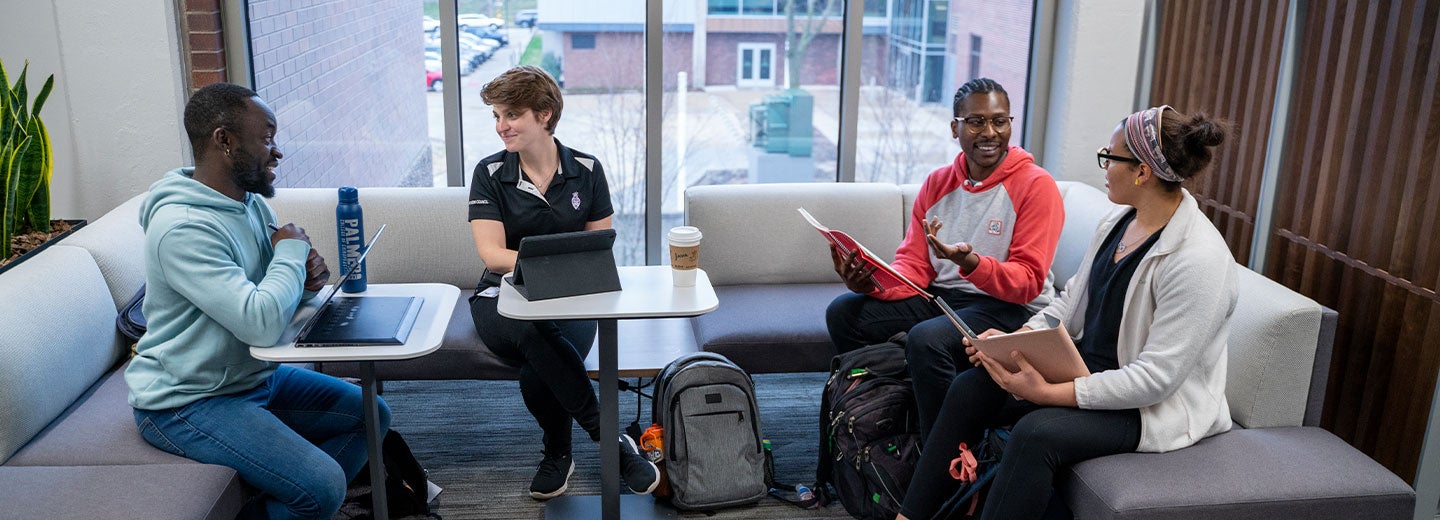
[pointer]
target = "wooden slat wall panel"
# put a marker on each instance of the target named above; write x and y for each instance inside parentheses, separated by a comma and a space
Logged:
(1223, 58)
(1358, 215)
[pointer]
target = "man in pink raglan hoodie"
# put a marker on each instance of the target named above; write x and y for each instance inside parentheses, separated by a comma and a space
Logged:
(982, 235)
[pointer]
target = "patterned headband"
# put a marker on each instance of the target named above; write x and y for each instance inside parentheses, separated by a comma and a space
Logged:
(1142, 133)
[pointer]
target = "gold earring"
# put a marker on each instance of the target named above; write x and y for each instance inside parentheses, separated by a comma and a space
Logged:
(1137, 181)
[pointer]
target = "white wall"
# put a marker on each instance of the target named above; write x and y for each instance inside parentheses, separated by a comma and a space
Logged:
(115, 114)
(1094, 73)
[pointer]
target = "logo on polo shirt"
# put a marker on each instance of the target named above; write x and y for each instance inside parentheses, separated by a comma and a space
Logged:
(996, 227)
(575, 200)
(480, 202)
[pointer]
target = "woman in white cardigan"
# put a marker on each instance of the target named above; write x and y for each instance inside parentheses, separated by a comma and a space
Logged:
(1149, 310)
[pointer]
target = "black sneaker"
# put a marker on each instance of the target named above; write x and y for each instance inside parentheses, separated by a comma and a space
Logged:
(552, 477)
(641, 475)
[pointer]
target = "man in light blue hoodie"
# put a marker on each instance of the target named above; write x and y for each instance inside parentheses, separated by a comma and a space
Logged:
(219, 281)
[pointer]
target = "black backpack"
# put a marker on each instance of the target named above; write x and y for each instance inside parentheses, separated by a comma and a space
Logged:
(406, 487)
(713, 455)
(869, 434)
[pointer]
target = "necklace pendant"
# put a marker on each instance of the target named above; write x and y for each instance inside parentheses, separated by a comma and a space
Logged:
(1121, 248)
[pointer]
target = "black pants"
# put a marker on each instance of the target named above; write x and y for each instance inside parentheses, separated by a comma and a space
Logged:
(553, 380)
(1044, 441)
(933, 351)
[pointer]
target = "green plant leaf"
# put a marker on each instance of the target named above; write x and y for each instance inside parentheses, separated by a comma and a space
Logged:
(20, 95)
(38, 212)
(30, 169)
(42, 96)
(7, 111)
(9, 217)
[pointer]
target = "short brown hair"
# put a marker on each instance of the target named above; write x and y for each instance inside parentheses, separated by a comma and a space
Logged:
(527, 87)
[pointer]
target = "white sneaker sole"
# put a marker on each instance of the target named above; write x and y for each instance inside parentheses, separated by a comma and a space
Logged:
(653, 483)
(547, 496)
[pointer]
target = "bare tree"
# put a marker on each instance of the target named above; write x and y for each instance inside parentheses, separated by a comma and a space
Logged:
(617, 128)
(798, 37)
(898, 152)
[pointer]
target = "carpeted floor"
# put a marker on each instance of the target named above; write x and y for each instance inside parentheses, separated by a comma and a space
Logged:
(478, 442)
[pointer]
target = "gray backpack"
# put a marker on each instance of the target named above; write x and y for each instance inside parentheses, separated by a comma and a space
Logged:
(713, 457)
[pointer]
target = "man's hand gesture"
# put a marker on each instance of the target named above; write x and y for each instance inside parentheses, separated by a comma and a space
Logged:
(961, 253)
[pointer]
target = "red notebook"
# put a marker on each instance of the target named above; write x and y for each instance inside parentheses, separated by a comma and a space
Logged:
(885, 277)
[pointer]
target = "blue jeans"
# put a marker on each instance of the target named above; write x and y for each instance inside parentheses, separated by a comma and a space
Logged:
(299, 438)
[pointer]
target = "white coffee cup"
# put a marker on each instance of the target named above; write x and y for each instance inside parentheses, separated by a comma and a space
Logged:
(684, 254)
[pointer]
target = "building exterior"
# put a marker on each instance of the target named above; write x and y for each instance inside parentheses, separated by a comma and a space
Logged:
(922, 48)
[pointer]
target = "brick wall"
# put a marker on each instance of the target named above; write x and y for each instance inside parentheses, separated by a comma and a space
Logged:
(345, 80)
(204, 45)
(1004, 30)
(618, 60)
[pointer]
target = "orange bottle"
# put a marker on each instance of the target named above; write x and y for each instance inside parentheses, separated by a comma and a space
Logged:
(652, 442)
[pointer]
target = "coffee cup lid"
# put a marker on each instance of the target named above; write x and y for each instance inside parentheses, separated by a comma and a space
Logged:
(684, 234)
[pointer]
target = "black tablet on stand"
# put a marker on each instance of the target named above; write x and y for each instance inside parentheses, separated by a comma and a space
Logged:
(565, 264)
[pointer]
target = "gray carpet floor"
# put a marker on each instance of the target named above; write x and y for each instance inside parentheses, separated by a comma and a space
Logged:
(478, 442)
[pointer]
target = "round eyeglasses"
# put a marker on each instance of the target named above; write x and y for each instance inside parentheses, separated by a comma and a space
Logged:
(976, 124)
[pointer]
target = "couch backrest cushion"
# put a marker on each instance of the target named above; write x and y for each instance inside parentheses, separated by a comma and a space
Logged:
(1085, 207)
(1272, 352)
(59, 323)
(427, 237)
(117, 243)
(753, 233)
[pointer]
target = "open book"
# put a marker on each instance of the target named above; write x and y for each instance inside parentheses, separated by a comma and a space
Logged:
(1049, 350)
(885, 277)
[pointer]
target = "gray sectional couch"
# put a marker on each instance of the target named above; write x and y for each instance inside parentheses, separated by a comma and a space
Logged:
(774, 279)
(69, 448)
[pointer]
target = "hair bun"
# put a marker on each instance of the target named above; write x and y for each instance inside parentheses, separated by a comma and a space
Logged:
(1202, 131)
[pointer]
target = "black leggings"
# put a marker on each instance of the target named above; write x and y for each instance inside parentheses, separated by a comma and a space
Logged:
(553, 380)
(1044, 441)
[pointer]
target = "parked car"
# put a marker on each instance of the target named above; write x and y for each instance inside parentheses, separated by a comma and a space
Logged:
(480, 45)
(468, 58)
(490, 34)
(478, 20)
(526, 18)
(433, 81)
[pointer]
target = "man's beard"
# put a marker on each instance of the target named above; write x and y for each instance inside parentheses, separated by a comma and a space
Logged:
(250, 174)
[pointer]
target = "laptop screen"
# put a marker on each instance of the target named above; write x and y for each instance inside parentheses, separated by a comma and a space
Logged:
(335, 284)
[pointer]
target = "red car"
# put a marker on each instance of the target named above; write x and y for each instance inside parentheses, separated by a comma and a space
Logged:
(433, 81)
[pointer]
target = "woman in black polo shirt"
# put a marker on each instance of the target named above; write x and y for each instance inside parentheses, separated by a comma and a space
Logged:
(537, 186)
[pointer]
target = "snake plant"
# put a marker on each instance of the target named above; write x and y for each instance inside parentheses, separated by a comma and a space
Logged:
(26, 163)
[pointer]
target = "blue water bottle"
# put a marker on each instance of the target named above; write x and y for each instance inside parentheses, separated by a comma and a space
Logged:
(350, 231)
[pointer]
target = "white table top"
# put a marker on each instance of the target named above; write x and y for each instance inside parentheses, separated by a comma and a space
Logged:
(646, 292)
(425, 338)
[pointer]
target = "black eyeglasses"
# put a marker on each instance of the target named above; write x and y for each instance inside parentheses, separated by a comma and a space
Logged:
(976, 124)
(1103, 156)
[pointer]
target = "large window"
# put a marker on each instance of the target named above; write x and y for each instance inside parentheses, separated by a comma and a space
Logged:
(748, 95)
(910, 78)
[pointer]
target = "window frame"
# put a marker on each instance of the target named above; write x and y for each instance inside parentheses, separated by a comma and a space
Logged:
(240, 60)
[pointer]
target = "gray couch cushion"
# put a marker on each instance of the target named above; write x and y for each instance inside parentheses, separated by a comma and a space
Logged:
(1298, 472)
(189, 491)
(461, 356)
(1085, 207)
(754, 235)
(59, 338)
(98, 430)
(770, 328)
(1273, 334)
(116, 241)
(427, 240)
